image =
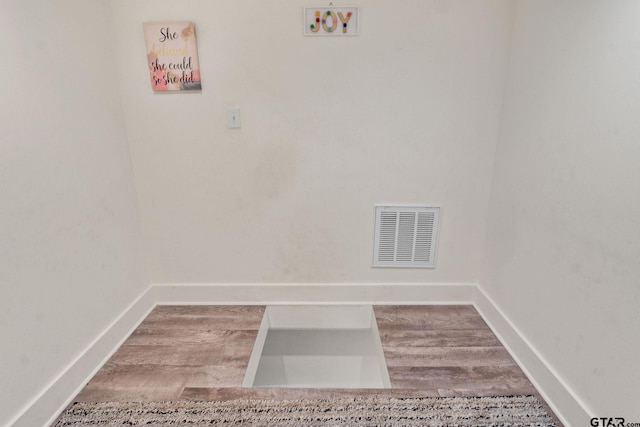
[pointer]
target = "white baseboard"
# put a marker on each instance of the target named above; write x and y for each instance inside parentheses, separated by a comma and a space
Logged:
(44, 409)
(317, 293)
(564, 402)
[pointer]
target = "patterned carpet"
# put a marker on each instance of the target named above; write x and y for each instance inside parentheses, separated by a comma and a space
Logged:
(432, 411)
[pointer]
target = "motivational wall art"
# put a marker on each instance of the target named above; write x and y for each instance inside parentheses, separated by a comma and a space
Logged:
(172, 56)
(331, 21)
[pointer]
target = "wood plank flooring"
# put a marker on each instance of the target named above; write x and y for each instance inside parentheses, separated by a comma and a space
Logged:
(201, 352)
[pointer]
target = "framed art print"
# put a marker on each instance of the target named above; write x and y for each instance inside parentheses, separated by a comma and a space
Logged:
(172, 56)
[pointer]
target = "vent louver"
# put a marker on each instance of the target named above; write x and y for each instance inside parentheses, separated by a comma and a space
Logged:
(405, 236)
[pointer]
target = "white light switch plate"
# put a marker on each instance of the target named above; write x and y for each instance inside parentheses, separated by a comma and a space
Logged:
(233, 117)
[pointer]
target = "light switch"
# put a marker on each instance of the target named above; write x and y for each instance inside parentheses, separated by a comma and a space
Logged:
(233, 117)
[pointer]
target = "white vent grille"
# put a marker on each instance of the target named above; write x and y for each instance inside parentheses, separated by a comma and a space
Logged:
(405, 236)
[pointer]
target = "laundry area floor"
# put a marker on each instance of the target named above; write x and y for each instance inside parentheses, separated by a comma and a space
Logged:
(202, 353)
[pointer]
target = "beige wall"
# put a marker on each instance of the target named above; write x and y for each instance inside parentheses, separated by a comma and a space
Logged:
(563, 245)
(70, 242)
(407, 112)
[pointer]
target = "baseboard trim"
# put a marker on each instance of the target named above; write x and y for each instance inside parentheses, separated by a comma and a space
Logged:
(563, 401)
(45, 408)
(54, 398)
(317, 293)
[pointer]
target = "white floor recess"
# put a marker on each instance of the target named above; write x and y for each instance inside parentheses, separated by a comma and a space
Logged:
(318, 347)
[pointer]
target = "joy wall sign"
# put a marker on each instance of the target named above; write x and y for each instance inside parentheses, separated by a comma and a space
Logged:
(331, 21)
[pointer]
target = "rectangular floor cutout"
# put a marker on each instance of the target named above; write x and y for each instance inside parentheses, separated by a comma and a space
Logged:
(318, 347)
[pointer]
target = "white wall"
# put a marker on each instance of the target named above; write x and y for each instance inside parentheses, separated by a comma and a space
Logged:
(563, 244)
(70, 242)
(407, 112)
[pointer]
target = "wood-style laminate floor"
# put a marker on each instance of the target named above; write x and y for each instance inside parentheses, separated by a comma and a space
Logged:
(201, 352)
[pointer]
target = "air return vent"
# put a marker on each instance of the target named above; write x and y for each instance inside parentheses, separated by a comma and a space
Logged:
(405, 236)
